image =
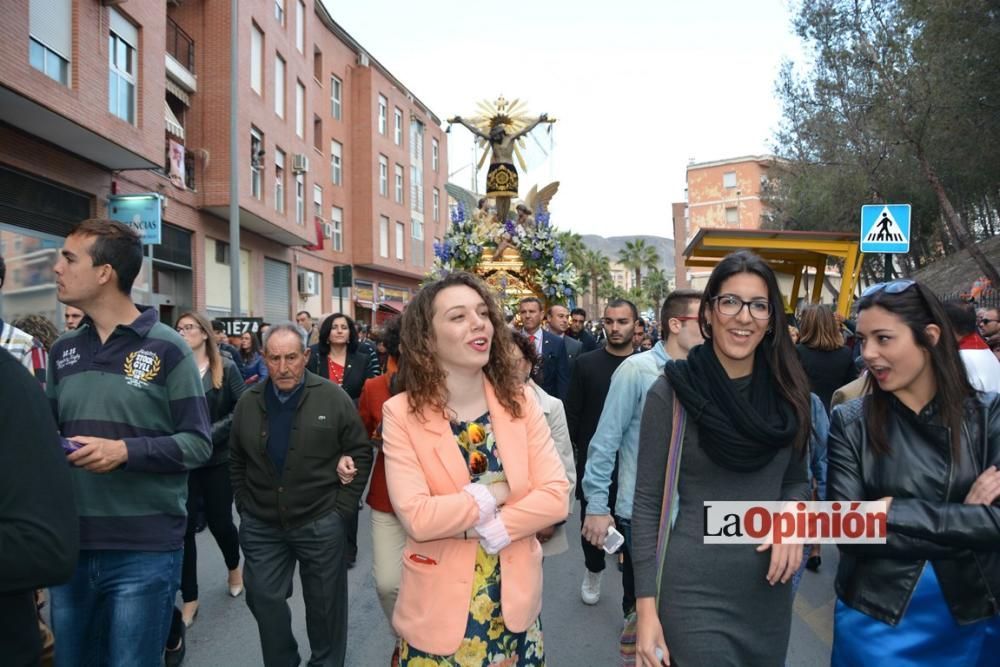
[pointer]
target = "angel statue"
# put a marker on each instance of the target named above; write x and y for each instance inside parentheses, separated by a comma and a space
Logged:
(485, 224)
(502, 125)
(537, 201)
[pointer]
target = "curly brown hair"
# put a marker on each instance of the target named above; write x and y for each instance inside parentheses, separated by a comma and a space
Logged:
(39, 327)
(529, 351)
(420, 375)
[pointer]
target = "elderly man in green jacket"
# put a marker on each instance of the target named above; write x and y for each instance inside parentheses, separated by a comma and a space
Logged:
(288, 436)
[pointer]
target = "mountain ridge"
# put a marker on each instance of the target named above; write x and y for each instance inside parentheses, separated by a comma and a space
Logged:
(610, 246)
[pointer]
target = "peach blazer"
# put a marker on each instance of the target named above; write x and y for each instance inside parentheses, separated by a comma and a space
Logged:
(426, 472)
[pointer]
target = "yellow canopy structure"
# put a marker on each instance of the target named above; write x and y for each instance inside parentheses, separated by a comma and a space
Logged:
(787, 252)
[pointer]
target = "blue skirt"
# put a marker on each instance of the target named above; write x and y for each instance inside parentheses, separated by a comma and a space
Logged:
(926, 635)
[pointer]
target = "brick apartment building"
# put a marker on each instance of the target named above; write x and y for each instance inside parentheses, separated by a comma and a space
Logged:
(134, 97)
(678, 215)
(720, 194)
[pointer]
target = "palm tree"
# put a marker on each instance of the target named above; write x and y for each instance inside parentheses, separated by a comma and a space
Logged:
(657, 286)
(608, 290)
(638, 296)
(636, 255)
(596, 268)
(572, 245)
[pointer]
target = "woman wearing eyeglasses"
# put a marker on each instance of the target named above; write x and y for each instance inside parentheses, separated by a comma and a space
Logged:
(473, 476)
(209, 486)
(928, 444)
(747, 406)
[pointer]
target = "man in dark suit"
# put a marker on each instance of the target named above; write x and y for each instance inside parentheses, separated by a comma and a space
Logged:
(577, 320)
(553, 373)
(640, 331)
(558, 319)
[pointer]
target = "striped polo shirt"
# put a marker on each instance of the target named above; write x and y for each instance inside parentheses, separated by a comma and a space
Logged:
(24, 348)
(141, 386)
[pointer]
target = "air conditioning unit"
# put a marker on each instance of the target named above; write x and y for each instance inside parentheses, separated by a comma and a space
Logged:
(308, 283)
(328, 230)
(300, 163)
(363, 59)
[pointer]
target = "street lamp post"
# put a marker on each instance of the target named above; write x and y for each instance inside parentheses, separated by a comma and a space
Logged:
(234, 155)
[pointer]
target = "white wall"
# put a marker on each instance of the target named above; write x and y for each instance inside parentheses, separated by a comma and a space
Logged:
(217, 290)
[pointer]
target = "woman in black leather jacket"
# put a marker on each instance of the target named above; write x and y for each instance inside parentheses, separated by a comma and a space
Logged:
(338, 356)
(928, 444)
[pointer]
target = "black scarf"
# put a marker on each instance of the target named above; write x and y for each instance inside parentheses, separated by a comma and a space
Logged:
(738, 431)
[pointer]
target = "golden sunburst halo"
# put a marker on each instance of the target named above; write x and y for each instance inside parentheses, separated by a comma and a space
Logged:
(512, 115)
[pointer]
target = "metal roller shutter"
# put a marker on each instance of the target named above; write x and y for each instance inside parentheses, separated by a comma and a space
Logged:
(277, 291)
(32, 203)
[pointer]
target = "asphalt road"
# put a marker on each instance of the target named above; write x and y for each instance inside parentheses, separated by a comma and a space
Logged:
(225, 635)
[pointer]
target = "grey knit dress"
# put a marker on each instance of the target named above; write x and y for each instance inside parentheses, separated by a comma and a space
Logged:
(716, 606)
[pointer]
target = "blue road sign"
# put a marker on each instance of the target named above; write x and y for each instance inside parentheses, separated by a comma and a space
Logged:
(885, 228)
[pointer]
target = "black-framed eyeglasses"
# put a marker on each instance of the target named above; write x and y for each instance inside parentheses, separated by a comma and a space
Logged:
(983, 322)
(187, 328)
(892, 287)
(730, 305)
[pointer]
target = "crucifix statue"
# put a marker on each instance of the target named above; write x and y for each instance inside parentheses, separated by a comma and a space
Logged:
(501, 126)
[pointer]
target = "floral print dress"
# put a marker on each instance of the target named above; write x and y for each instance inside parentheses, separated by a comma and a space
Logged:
(488, 642)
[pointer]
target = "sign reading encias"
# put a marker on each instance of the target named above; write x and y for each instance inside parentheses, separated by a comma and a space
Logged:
(142, 212)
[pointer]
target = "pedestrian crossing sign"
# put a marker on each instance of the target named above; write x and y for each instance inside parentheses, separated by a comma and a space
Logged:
(885, 228)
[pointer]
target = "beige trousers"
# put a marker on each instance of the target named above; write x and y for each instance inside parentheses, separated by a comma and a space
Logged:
(388, 540)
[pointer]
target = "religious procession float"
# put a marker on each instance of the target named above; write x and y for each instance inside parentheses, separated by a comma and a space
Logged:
(516, 252)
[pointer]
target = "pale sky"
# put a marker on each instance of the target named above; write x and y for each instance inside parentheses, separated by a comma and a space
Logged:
(638, 88)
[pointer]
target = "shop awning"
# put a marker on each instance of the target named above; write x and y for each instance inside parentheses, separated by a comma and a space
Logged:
(392, 306)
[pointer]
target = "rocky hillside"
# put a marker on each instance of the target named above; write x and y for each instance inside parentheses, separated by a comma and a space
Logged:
(956, 272)
(611, 245)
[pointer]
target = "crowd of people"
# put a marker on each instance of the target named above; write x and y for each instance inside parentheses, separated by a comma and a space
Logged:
(476, 435)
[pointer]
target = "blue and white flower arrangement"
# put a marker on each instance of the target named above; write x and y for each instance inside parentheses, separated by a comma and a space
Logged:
(546, 264)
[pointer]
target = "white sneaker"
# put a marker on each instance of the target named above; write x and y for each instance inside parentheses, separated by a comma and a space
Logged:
(590, 591)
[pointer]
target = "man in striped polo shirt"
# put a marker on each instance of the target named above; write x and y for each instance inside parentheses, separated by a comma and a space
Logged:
(20, 343)
(128, 396)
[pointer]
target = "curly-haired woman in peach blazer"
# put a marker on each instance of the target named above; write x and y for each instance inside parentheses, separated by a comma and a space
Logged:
(473, 475)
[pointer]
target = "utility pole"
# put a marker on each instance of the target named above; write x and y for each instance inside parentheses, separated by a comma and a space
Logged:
(234, 158)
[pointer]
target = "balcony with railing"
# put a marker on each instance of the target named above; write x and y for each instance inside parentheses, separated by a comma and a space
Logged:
(180, 56)
(180, 45)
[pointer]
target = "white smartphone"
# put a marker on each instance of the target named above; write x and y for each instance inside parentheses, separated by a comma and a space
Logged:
(614, 541)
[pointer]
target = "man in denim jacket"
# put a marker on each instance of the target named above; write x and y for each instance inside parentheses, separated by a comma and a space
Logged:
(618, 431)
